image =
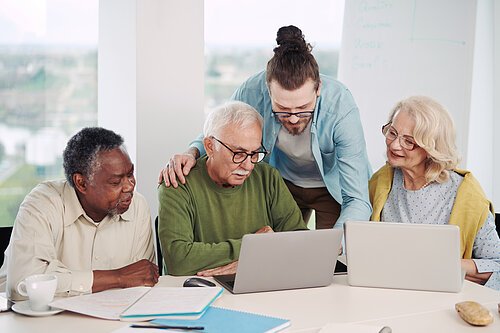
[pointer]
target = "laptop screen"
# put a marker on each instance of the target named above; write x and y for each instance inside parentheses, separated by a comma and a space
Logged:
(286, 260)
(403, 255)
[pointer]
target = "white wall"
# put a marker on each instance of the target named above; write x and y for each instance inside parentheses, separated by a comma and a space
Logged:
(496, 105)
(116, 70)
(444, 49)
(151, 75)
(395, 49)
(480, 139)
(151, 85)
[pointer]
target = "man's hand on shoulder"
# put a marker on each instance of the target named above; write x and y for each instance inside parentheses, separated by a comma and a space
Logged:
(140, 273)
(178, 168)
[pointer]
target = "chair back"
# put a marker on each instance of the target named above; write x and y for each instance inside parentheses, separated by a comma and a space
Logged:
(159, 256)
(497, 223)
(5, 233)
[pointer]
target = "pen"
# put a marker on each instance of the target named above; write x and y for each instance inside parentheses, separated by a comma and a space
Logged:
(188, 328)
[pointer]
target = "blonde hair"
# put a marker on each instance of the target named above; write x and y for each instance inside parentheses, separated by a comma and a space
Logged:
(434, 132)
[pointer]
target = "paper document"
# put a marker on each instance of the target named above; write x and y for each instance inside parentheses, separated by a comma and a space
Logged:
(107, 304)
(142, 303)
(169, 301)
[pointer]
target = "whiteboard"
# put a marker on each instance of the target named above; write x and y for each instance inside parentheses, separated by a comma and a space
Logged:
(394, 49)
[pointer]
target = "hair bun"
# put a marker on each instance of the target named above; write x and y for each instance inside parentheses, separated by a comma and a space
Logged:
(290, 38)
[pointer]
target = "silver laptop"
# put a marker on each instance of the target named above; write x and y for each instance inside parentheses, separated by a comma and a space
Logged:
(403, 256)
(284, 260)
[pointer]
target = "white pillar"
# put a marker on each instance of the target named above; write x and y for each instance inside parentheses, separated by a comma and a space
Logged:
(151, 75)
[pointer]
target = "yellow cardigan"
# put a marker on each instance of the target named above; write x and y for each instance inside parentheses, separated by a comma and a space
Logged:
(469, 211)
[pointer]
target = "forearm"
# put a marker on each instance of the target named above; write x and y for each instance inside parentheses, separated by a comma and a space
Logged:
(139, 273)
(188, 258)
(69, 282)
(194, 151)
(475, 273)
(196, 147)
(354, 170)
(104, 280)
(485, 265)
(353, 209)
(487, 272)
(32, 252)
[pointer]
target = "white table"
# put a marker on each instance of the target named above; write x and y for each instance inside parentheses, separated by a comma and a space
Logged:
(310, 309)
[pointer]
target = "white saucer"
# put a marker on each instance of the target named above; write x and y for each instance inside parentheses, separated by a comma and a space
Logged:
(24, 308)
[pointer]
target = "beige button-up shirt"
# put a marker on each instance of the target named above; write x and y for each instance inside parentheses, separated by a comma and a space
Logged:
(52, 234)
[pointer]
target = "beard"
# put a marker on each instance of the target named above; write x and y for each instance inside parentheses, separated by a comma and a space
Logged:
(297, 128)
(117, 209)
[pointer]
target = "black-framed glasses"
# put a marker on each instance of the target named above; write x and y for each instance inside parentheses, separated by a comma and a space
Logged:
(285, 115)
(282, 115)
(405, 141)
(241, 156)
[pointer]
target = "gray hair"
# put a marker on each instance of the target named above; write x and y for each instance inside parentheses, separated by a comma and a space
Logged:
(434, 132)
(235, 113)
(80, 154)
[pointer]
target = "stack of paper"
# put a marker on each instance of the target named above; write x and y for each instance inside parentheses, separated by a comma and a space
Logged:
(142, 303)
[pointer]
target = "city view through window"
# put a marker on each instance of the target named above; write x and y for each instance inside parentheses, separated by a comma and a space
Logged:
(48, 90)
(48, 72)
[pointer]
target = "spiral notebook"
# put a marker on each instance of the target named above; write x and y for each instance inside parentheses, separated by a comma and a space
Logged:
(220, 320)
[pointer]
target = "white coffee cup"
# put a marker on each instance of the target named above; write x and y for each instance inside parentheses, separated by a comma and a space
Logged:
(40, 290)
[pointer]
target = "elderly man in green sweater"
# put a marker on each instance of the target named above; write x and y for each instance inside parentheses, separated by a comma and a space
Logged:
(227, 194)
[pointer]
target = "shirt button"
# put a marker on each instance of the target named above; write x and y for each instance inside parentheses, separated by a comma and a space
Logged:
(96, 257)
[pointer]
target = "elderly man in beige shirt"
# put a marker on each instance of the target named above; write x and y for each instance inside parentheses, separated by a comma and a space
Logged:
(91, 230)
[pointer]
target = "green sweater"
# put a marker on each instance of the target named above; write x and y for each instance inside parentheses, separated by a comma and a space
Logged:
(201, 224)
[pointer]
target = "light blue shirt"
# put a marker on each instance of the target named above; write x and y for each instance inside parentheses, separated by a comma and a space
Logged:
(337, 142)
(432, 205)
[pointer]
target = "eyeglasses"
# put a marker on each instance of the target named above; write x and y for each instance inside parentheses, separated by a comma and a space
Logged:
(241, 156)
(286, 115)
(406, 141)
(301, 114)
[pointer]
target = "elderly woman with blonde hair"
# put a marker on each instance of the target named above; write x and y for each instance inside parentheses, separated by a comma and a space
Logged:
(420, 183)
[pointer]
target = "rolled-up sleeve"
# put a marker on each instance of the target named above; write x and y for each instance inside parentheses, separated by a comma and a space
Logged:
(486, 252)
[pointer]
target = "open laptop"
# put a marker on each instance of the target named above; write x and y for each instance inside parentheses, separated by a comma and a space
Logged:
(403, 256)
(284, 260)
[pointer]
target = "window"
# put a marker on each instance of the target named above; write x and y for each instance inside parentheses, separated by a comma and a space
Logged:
(240, 37)
(48, 90)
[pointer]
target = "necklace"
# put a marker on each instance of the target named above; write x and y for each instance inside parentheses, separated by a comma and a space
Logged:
(425, 185)
(421, 187)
